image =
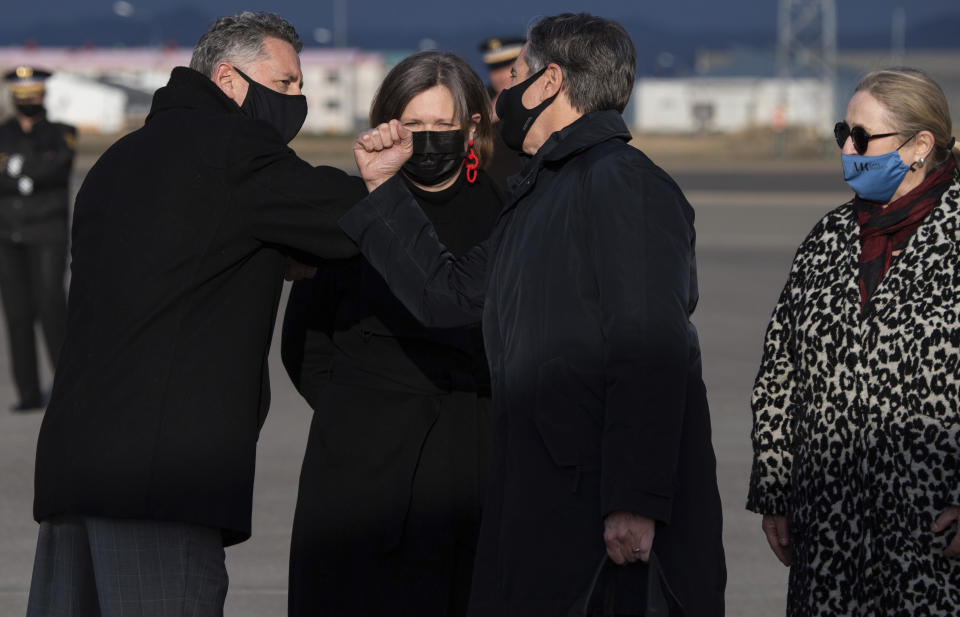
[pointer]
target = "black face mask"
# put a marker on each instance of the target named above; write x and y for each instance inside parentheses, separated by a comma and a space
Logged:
(515, 119)
(30, 110)
(284, 112)
(437, 155)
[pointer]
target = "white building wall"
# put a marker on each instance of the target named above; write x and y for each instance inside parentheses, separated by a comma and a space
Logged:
(86, 104)
(661, 105)
(327, 99)
(729, 104)
(339, 86)
(369, 77)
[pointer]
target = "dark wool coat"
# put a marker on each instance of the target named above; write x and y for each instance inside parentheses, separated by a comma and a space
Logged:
(586, 289)
(391, 487)
(178, 239)
(856, 431)
(34, 205)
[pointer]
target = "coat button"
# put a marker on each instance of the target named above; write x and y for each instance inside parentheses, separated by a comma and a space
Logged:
(25, 185)
(16, 237)
(17, 204)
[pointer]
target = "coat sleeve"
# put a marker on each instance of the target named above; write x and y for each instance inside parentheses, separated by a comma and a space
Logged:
(285, 200)
(398, 240)
(306, 345)
(641, 244)
(772, 406)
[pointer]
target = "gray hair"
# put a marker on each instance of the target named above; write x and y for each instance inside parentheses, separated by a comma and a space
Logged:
(239, 39)
(596, 55)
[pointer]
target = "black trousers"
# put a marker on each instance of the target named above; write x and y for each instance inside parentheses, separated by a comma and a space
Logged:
(106, 567)
(32, 288)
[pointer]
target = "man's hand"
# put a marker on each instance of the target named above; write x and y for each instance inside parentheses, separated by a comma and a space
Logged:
(381, 152)
(778, 537)
(293, 270)
(943, 521)
(628, 536)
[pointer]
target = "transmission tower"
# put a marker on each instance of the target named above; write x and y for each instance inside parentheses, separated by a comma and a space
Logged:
(807, 48)
(807, 39)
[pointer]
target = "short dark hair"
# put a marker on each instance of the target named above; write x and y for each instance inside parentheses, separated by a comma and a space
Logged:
(239, 39)
(421, 71)
(596, 55)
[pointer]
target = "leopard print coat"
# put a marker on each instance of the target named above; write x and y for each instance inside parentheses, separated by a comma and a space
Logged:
(856, 431)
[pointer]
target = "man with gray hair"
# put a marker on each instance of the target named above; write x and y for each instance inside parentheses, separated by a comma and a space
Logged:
(145, 460)
(585, 289)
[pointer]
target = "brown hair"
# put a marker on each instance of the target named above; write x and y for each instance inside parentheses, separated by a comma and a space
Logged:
(915, 103)
(424, 70)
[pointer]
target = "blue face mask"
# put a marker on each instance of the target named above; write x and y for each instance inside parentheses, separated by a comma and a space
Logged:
(874, 178)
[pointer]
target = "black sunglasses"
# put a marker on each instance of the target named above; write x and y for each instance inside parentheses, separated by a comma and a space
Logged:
(861, 139)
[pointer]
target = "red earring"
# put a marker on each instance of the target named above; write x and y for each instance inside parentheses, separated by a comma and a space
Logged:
(472, 164)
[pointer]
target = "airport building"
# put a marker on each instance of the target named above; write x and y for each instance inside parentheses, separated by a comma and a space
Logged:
(737, 89)
(729, 104)
(110, 90)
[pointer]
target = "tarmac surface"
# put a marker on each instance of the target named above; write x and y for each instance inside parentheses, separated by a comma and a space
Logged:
(751, 215)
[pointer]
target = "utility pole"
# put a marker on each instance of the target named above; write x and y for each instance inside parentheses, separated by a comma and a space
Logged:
(340, 23)
(898, 34)
(807, 47)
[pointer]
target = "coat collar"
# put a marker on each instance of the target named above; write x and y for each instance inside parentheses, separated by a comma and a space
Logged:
(583, 133)
(586, 131)
(928, 248)
(188, 89)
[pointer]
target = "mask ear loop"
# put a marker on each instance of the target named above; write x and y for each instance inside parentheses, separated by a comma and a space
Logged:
(472, 164)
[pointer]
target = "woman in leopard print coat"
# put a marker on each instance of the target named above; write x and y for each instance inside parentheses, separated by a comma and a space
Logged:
(856, 406)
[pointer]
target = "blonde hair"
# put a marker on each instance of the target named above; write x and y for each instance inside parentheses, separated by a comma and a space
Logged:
(915, 103)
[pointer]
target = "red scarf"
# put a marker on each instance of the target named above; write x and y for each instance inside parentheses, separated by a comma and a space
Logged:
(884, 231)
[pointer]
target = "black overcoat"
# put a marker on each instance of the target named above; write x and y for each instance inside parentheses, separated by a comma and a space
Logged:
(586, 288)
(179, 235)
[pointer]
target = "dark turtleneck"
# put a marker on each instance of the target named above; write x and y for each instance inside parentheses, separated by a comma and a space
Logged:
(463, 213)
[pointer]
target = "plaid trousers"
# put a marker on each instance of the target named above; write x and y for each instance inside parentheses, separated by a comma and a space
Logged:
(104, 567)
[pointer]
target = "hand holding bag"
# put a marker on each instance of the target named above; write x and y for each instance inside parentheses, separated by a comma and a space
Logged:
(661, 601)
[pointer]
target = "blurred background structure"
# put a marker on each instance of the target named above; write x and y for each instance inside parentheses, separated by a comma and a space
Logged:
(785, 67)
(722, 89)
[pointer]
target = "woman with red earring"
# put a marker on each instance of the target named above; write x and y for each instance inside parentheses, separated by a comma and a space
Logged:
(391, 487)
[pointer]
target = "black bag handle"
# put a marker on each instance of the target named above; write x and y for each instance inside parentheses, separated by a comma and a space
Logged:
(661, 601)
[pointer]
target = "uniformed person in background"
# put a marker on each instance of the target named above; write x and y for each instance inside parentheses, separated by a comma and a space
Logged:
(36, 157)
(498, 55)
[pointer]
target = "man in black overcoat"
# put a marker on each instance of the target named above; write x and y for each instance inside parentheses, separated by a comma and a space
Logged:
(36, 158)
(601, 428)
(145, 460)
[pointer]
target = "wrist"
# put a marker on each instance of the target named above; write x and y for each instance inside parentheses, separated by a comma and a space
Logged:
(376, 181)
(373, 183)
